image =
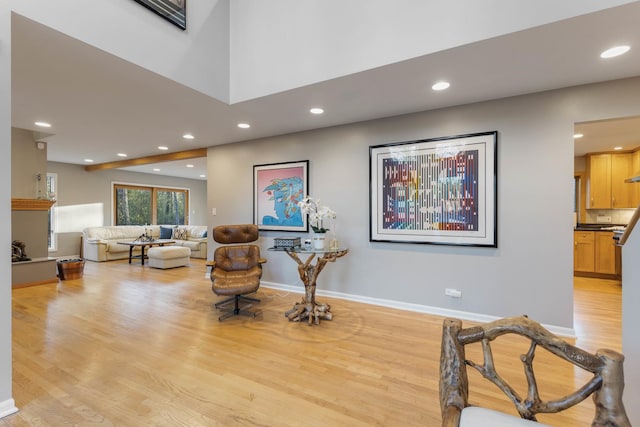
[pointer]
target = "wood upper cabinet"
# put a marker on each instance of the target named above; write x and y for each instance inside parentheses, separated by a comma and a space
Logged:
(622, 193)
(635, 167)
(606, 174)
(599, 176)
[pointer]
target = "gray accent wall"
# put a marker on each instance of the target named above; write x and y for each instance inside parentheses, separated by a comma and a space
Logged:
(26, 161)
(530, 272)
(76, 186)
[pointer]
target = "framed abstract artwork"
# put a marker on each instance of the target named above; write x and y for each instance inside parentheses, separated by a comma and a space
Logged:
(277, 189)
(437, 191)
(174, 11)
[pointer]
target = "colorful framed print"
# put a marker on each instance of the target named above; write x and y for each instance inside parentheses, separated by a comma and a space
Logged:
(437, 191)
(277, 189)
(174, 11)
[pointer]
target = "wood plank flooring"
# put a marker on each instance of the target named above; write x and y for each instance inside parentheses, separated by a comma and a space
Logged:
(128, 345)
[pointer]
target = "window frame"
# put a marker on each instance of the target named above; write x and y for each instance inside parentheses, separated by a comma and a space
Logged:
(154, 199)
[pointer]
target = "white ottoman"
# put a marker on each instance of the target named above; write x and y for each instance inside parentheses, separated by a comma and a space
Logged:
(168, 256)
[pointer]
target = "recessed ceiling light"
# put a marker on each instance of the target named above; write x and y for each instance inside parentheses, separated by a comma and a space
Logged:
(88, 160)
(162, 147)
(615, 51)
(617, 148)
(316, 110)
(156, 169)
(577, 135)
(190, 165)
(441, 85)
(244, 125)
(43, 124)
(122, 155)
(188, 136)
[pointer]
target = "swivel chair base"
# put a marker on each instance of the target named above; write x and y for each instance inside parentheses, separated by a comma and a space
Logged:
(236, 309)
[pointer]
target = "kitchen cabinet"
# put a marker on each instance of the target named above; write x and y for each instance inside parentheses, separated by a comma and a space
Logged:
(606, 187)
(595, 252)
(605, 253)
(635, 167)
(584, 251)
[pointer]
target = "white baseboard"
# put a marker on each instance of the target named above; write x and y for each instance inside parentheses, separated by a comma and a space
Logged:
(7, 408)
(426, 309)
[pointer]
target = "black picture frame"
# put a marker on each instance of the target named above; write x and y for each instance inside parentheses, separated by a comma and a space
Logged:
(277, 189)
(435, 191)
(174, 11)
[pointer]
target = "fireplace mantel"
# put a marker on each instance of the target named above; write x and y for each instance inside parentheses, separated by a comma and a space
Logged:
(31, 204)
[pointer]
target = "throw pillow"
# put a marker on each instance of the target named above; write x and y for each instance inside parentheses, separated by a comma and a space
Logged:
(179, 233)
(166, 232)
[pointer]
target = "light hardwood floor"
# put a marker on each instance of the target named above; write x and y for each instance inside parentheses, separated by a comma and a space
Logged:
(128, 345)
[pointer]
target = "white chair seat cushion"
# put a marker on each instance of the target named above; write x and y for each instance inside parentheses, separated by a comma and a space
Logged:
(474, 416)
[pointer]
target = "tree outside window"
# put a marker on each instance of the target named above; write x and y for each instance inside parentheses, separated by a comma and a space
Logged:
(139, 205)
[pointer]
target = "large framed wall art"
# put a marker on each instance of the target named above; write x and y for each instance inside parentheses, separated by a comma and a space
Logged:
(277, 189)
(174, 11)
(438, 191)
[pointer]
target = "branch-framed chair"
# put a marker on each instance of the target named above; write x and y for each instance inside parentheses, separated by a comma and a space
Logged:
(605, 387)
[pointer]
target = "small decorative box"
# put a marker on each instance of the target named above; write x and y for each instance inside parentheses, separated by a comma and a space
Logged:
(286, 242)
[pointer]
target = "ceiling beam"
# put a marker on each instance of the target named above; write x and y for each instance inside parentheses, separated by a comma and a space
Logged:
(159, 158)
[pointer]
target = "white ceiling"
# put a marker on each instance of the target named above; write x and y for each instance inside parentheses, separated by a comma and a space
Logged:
(100, 105)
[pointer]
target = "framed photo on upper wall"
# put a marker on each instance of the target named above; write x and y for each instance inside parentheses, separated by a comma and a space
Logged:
(437, 191)
(277, 189)
(174, 11)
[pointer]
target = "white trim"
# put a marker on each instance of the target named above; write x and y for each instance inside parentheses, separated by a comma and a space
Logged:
(426, 309)
(7, 408)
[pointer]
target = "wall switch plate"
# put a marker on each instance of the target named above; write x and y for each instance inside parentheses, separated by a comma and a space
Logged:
(453, 293)
(603, 219)
(214, 211)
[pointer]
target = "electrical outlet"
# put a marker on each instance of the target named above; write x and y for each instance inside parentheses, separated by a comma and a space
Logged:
(453, 293)
(602, 219)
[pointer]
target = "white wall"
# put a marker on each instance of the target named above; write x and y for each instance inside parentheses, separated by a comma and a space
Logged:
(76, 186)
(531, 270)
(197, 57)
(284, 44)
(6, 400)
(630, 322)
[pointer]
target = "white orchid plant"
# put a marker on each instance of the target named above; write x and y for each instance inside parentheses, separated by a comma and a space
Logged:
(319, 216)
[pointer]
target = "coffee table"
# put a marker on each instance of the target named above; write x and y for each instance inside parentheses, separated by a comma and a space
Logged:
(143, 244)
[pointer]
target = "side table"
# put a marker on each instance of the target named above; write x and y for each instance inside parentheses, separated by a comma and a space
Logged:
(309, 309)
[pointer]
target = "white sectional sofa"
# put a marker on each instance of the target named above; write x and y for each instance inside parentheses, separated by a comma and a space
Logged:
(101, 243)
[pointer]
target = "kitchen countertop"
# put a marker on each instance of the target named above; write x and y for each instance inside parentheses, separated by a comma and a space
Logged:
(599, 227)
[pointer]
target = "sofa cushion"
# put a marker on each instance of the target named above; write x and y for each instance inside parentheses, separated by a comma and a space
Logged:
(193, 245)
(196, 231)
(116, 247)
(166, 232)
(179, 233)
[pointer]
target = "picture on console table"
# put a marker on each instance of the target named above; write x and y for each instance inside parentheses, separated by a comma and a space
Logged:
(277, 189)
(435, 191)
(174, 11)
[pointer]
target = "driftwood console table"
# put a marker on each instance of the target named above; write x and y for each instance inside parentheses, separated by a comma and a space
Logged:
(309, 309)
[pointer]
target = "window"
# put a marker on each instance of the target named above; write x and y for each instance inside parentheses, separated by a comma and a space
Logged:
(52, 189)
(140, 205)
